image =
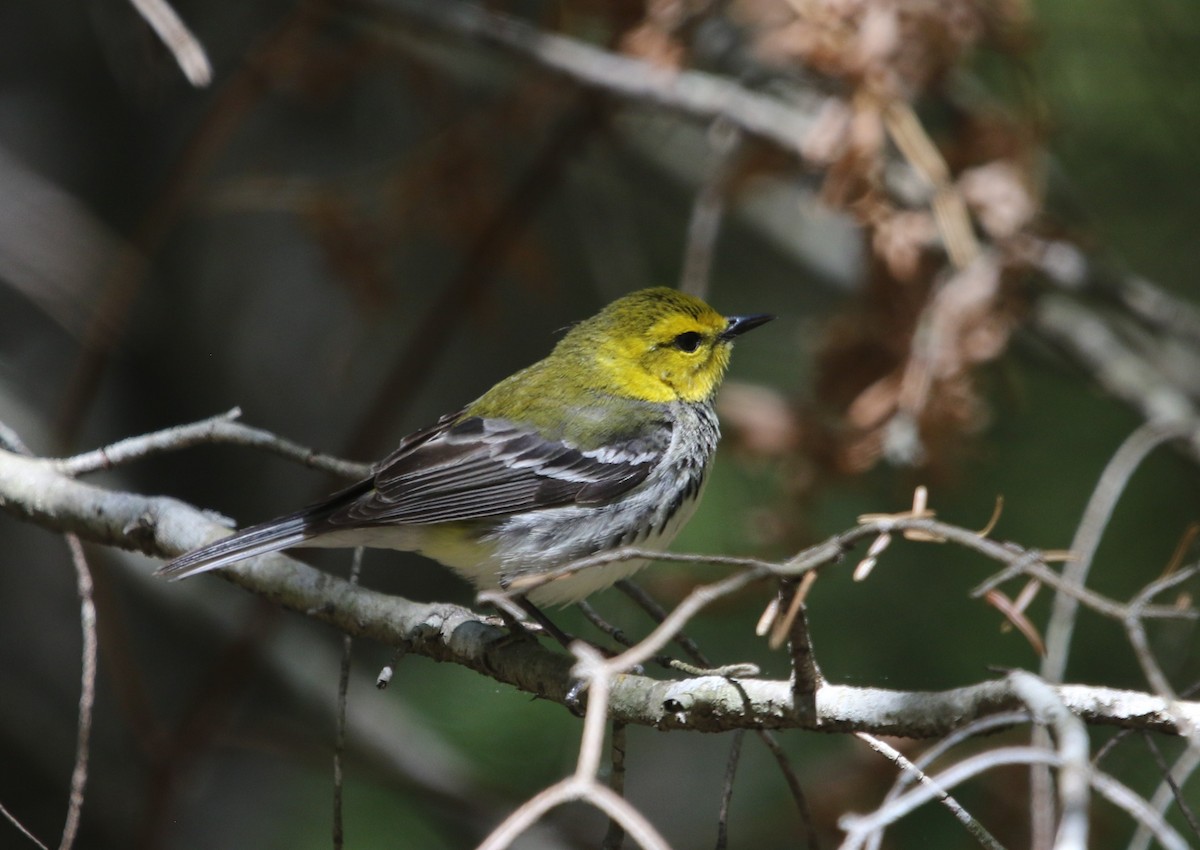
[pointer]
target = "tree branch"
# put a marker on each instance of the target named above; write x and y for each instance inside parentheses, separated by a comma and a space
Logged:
(34, 490)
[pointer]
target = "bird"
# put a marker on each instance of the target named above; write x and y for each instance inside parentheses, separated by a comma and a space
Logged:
(605, 443)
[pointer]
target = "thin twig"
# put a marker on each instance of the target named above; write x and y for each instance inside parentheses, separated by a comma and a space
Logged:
(87, 693)
(1124, 372)
(1170, 783)
(185, 47)
(731, 766)
(11, 818)
(216, 429)
(700, 95)
(905, 779)
(658, 614)
(1185, 765)
(1073, 746)
(593, 616)
(1136, 630)
(339, 740)
(793, 784)
(1032, 565)
(969, 822)
(615, 837)
(1091, 528)
(1136, 612)
(857, 827)
(806, 674)
(1061, 626)
(524, 584)
(11, 440)
(87, 687)
(708, 209)
(582, 785)
(596, 619)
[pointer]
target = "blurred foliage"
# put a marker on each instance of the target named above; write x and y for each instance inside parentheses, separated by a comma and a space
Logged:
(350, 184)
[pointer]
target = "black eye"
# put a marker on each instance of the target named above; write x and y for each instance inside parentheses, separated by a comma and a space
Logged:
(687, 341)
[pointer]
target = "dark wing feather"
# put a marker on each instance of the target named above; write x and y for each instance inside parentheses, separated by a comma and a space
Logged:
(453, 470)
(295, 528)
(479, 468)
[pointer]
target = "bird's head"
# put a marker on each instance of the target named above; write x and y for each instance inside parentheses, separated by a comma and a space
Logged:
(658, 345)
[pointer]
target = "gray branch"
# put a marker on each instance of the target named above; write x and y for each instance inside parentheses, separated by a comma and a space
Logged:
(36, 491)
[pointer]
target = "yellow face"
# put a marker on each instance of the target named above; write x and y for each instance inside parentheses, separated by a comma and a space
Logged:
(680, 354)
(657, 345)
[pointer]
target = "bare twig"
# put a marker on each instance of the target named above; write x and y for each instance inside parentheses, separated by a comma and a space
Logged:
(615, 837)
(1124, 373)
(1136, 630)
(597, 619)
(11, 441)
(905, 778)
(731, 766)
(806, 674)
(11, 818)
(593, 616)
(1074, 769)
(186, 48)
(87, 686)
(973, 826)
(1172, 779)
(657, 613)
(699, 95)
(87, 693)
(217, 429)
(632, 553)
(793, 783)
(1032, 563)
(1091, 527)
(1074, 578)
(1185, 765)
(858, 827)
(583, 785)
(708, 209)
(339, 738)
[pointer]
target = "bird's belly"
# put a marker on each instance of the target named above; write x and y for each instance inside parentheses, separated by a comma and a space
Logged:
(492, 554)
(545, 545)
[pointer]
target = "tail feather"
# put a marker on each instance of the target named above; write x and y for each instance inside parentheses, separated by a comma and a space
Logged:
(260, 539)
(271, 536)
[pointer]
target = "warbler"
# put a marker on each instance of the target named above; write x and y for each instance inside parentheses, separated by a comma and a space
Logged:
(606, 442)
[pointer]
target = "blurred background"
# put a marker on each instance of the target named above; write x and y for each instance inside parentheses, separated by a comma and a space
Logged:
(981, 253)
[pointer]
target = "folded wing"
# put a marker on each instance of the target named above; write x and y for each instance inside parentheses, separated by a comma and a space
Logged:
(480, 468)
(457, 469)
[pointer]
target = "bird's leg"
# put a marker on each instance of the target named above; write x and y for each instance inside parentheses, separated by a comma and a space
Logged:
(535, 613)
(575, 700)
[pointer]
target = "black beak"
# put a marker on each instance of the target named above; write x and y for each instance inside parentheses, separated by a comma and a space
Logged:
(738, 325)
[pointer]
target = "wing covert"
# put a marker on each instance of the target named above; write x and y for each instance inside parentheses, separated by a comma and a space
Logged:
(477, 468)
